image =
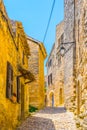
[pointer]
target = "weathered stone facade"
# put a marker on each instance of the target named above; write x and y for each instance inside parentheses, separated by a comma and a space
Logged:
(69, 57)
(59, 75)
(81, 66)
(55, 91)
(76, 16)
(36, 64)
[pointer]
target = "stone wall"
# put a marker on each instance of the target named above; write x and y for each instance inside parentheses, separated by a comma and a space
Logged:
(69, 57)
(36, 65)
(81, 66)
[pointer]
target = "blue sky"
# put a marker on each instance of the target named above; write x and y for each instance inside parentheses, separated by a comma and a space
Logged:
(34, 15)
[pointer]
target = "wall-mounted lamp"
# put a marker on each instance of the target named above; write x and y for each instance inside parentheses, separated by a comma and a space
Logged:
(63, 49)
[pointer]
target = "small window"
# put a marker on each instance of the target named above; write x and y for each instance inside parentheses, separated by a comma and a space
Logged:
(50, 79)
(50, 63)
(18, 41)
(9, 86)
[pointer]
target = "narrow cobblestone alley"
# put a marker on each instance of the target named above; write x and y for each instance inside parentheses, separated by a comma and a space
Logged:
(50, 119)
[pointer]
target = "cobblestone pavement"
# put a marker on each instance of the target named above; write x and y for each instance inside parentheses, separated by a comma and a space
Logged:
(50, 119)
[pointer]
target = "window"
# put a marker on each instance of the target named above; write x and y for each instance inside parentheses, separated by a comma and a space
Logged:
(18, 90)
(18, 41)
(50, 79)
(50, 63)
(9, 86)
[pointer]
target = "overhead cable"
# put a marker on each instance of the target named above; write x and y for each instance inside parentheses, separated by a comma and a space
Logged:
(49, 21)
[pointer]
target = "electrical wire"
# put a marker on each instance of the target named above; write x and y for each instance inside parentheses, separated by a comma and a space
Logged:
(49, 21)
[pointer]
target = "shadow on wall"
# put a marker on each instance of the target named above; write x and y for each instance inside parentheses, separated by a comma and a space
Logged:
(37, 123)
(53, 110)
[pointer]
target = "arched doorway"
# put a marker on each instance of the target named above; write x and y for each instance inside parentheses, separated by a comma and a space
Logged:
(52, 99)
(61, 96)
(45, 100)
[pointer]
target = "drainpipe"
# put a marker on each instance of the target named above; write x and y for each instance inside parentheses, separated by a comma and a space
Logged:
(74, 48)
(75, 72)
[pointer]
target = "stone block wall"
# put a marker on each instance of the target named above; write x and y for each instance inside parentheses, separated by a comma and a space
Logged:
(36, 65)
(59, 75)
(69, 57)
(81, 61)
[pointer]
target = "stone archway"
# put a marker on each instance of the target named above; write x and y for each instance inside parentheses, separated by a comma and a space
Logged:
(61, 96)
(46, 100)
(51, 98)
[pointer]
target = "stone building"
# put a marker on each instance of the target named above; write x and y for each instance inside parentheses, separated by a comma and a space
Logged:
(76, 20)
(36, 64)
(59, 66)
(14, 73)
(55, 70)
(51, 77)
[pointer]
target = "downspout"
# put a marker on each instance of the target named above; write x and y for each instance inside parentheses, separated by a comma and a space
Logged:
(74, 55)
(75, 72)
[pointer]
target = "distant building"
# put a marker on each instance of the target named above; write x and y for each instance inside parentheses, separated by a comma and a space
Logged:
(51, 77)
(36, 64)
(55, 70)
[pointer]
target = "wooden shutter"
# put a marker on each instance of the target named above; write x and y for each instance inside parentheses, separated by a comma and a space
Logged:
(11, 71)
(18, 90)
(51, 78)
(9, 86)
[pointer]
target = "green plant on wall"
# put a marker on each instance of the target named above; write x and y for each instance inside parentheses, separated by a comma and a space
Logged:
(32, 109)
(45, 89)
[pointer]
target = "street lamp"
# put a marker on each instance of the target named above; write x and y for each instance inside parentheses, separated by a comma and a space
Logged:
(63, 50)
